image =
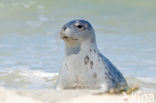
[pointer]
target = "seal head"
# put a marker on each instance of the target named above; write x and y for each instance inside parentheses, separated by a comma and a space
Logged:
(75, 34)
(77, 31)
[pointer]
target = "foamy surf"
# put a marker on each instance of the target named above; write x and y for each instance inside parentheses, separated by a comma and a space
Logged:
(28, 79)
(147, 79)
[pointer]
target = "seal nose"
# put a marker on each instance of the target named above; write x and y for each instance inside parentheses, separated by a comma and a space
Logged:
(64, 27)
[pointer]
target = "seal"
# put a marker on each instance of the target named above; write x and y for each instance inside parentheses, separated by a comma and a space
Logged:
(84, 67)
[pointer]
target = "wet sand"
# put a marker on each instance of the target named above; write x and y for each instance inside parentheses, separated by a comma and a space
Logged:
(73, 96)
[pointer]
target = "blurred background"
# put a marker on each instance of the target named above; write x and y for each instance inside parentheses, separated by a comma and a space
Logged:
(31, 52)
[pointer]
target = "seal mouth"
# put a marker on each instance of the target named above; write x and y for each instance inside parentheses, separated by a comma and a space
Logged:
(66, 37)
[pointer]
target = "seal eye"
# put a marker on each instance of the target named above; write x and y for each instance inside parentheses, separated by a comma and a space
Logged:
(79, 26)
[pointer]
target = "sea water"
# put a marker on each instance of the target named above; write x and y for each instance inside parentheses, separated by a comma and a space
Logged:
(31, 52)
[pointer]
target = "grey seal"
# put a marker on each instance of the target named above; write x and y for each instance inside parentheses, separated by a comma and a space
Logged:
(84, 67)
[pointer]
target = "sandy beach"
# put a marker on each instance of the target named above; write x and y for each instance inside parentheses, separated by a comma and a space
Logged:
(72, 96)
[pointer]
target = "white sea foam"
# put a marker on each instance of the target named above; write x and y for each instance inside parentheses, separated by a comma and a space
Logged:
(28, 79)
(147, 79)
(38, 73)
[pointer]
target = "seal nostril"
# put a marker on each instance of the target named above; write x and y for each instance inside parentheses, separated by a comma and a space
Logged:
(64, 27)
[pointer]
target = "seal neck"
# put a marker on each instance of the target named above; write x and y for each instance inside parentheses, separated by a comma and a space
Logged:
(72, 50)
(88, 45)
(83, 47)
